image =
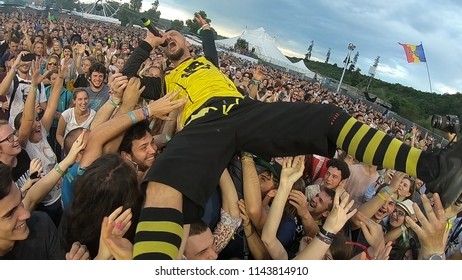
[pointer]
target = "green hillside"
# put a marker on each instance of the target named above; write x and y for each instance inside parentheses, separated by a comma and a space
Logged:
(408, 102)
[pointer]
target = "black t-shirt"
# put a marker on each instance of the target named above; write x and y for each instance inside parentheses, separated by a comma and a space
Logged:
(21, 171)
(81, 81)
(42, 242)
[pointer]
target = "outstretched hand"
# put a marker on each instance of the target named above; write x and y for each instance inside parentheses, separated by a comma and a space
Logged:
(433, 230)
(117, 83)
(132, 90)
(164, 105)
(292, 169)
(112, 241)
(374, 236)
(258, 73)
(78, 145)
(36, 77)
(340, 213)
(200, 19)
(299, 201)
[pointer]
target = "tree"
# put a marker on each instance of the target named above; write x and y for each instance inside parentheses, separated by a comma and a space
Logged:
(193, 25)
(241, 46)
(135, 5)
(177, 24)
(124, 15)
(153, 14)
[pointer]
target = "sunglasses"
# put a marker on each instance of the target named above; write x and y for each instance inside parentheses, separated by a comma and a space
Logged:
(53, 63)
(10, 138)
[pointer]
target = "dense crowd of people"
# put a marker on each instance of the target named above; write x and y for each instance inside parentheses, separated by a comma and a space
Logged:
(114, 145)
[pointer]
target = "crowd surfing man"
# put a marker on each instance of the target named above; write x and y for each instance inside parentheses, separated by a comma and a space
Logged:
(219, 121)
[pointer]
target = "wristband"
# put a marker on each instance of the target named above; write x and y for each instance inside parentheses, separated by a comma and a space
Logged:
(387, 190)
(324, 239)
(59, 170)
(132, 117)
(326, 233)
(381, 197)
(115, 105)
(255, 82)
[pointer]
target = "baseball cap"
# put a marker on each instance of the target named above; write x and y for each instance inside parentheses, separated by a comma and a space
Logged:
(271, 166)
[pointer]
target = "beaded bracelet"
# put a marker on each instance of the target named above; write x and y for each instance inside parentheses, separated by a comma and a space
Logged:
(145, 111)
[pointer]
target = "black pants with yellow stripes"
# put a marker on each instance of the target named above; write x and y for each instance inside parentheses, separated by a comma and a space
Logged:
(196, 156)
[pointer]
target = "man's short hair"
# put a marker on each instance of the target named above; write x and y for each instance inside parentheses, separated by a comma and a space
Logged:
(15, 39)
(97, 67)
(135, 132)
(70, 138)
(340, 165)
(331, 194)
(198, 228)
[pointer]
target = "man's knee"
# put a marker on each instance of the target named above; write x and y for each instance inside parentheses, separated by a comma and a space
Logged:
(163, 196)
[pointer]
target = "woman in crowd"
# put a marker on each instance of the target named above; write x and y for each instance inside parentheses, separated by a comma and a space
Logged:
(79, 115)
(398, 231)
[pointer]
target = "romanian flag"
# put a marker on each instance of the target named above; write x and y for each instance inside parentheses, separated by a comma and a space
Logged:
(414, 53)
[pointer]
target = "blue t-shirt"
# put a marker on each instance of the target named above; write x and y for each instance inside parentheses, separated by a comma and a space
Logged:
(67, 191)
(64, 101)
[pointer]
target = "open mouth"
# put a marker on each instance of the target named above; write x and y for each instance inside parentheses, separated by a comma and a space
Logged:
(171, 45)
(21, 226)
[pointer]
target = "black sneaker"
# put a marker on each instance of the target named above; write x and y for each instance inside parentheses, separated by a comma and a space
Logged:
(448, 184)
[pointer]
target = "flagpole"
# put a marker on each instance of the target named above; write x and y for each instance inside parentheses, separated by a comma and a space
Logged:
(428, 71)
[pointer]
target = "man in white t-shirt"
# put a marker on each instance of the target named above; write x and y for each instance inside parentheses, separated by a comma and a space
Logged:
(22, 82)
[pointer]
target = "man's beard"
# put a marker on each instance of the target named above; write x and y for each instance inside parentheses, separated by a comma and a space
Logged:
(176, 56)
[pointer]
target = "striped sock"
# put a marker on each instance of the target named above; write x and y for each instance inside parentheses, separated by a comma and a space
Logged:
(158, 234)
(375, 147)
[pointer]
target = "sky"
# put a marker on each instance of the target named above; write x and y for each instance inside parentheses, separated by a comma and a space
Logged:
(374, 27)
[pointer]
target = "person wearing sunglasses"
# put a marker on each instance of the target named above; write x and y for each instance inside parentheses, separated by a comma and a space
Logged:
(51, 65)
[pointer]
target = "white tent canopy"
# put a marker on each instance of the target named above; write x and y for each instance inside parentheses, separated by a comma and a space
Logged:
(266, 49)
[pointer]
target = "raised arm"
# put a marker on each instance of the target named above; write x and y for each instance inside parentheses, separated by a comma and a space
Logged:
(60, 131)
(299, 201)
(369, 208)
(252, 192)
(154, 87)
(230, 218)
(28, 115)
(256, 246)
(110, 129)
(6, 83)
(118, 82)
(337, 218)
(52, 104)
(292, 170)
(42, 187)
(208, 40)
